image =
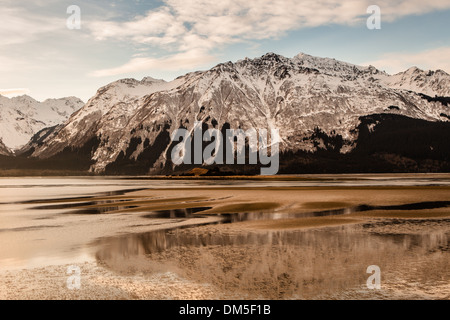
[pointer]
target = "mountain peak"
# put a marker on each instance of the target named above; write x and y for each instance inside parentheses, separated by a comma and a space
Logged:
(268, 58)
(413, 69)
(151, 80)
(427, 82)
(441, 72)
(302, 56)
(24, 99)
(271, 56)
(428, 73)
(71, 99)
(22, 117)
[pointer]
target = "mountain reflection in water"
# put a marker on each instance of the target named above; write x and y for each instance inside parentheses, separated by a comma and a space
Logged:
(286, 264)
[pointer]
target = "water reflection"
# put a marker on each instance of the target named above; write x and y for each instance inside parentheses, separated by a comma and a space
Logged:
(277, 214)
(161, 240)
(100, 210)
(190, 213)
(186, 213)
(283, 264)
(364, 208)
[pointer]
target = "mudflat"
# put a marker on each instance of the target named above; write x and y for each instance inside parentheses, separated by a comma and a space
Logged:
(225, 242)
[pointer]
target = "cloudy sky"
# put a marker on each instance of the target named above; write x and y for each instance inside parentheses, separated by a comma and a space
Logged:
(42, 57)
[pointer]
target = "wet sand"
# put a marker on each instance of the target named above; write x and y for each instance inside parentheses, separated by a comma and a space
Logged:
(226, 242)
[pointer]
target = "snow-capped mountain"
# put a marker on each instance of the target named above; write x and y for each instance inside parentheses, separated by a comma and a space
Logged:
(132, 120)
(22, 117)
(431, 83)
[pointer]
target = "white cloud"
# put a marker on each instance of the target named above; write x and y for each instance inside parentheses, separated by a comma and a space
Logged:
(395, 62)
(184, 27)
(21, 26)
(14, 92)
(184, 60)
(392, 10)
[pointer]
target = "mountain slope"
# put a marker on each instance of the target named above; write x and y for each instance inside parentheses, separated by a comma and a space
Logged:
(304, 97)
(3, 149)
(22, 117)
(431, 83)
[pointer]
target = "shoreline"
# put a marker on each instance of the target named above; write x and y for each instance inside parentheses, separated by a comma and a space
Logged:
(280, 177)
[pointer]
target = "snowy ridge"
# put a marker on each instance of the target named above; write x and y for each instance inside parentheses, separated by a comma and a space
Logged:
(22, 117)
(294, 95)
(431, 83)
(112, 107)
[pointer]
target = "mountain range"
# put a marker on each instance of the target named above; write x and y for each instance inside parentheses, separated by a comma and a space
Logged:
(332, 116)
(22, 117)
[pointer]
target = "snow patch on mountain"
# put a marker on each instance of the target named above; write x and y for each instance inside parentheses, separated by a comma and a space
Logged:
(431, 83)
(22, 117)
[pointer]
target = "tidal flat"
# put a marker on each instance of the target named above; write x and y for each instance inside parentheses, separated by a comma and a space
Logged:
(296, 237)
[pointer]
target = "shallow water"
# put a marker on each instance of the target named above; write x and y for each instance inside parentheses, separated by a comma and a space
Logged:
(312, 264)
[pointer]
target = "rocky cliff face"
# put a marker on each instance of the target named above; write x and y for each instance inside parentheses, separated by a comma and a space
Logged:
(3, 149)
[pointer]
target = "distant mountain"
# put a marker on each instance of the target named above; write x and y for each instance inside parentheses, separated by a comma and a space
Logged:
(318, 104)
(431, 83)
(22, 117)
